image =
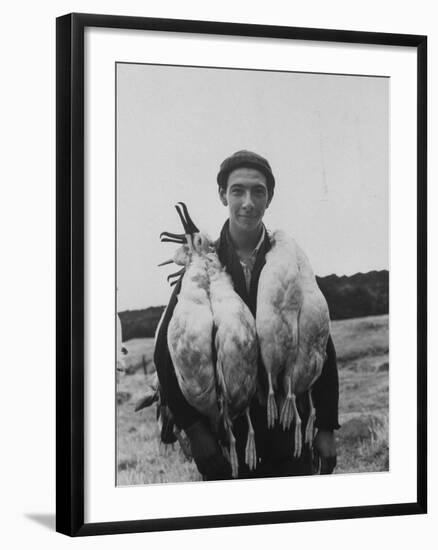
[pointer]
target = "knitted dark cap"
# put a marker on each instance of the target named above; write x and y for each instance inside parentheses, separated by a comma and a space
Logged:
(246, 159)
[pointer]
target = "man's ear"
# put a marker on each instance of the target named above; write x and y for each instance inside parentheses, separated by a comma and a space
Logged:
(223, 196)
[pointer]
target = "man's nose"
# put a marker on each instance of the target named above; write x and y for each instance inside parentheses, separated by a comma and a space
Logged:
(247, 201)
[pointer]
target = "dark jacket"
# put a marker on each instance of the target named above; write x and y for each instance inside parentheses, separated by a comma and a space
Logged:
(274, 447)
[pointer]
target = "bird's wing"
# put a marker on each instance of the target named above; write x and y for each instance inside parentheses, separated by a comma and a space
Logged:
(314, 329)
(237, 354)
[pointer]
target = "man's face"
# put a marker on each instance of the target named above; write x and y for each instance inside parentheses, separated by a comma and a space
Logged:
(246, 197)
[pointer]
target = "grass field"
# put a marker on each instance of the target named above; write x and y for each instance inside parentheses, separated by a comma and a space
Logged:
(362, 350)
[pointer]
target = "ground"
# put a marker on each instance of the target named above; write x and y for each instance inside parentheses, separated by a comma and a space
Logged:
(362, 441)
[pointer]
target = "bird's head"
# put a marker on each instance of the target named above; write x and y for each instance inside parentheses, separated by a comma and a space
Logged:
(192, 240)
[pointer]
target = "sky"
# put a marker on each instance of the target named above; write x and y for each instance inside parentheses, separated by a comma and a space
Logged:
(326, 138)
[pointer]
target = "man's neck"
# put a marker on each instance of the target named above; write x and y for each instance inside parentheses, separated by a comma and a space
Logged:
(245, 241)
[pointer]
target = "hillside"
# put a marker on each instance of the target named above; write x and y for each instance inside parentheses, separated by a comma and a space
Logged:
(358, 295)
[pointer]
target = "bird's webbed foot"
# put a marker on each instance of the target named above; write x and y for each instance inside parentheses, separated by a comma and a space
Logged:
(165, 449)
(232, 455)
(310, 423)
(271, 406)
(272, 410)
(234, 461)
(250, 450)
(287, 413)
(298, 437)
(288, 408)
(309, 429)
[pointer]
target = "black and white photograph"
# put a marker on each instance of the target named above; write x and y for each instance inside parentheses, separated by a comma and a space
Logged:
(252, 274)
(218, 261)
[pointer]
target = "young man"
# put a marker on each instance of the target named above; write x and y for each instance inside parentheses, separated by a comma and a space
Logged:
(246, 186)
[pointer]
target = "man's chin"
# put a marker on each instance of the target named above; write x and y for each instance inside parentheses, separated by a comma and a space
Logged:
(249, 224)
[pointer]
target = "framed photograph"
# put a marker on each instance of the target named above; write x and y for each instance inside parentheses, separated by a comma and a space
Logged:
(241, 274)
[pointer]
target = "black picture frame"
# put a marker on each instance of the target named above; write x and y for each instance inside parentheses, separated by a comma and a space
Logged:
(70, 272)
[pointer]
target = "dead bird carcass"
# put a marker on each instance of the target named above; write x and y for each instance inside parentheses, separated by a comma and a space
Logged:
(229, 344)
(293, 327)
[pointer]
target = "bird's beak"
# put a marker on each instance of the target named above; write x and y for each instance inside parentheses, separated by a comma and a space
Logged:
(167, 237)
(167, 262)
(187, 222)
(176, 274)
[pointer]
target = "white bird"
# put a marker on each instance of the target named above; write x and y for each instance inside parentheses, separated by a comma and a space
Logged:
(237, 352)
(279, 299)
(293, 327)
(191, 327)
(314, 331)
(234, 340)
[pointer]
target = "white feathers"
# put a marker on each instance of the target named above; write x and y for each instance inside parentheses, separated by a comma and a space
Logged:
(314, 328)
(189, 340)
(211, 321)
(279, 300)
(237, 353)
(293, 327)
(208, 305)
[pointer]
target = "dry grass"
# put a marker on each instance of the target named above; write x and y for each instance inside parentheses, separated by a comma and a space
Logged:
(141, 457)
(362, 348)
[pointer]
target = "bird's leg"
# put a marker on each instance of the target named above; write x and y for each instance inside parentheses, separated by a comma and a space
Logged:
(271, 404)
(233, 453)
(250, 450)
(184, 444)
(294, 333)
(310, 421)
(164, 449)
(288, 409)
(298, 437)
